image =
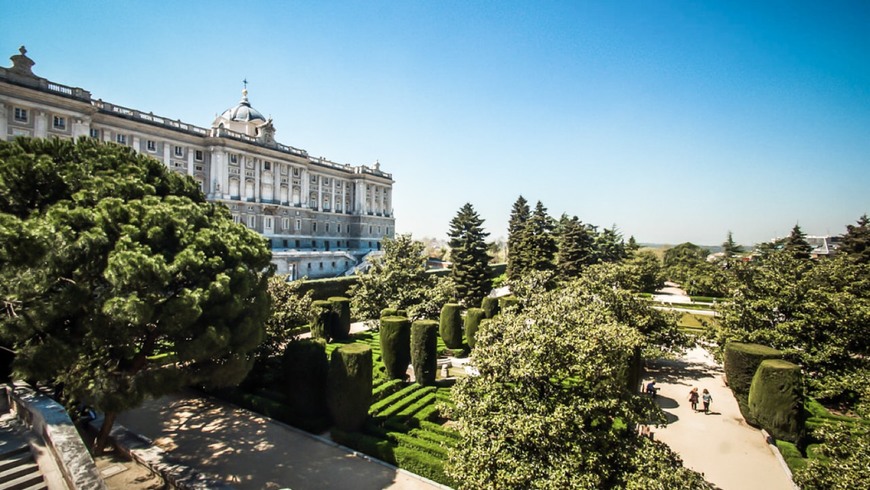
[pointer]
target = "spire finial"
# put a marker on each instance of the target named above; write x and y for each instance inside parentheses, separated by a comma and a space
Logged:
(245, 90)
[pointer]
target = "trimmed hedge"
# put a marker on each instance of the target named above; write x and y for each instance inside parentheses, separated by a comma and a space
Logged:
(490, 306)
(396, 345)
(776, 399)
(386, 402)
(424, 351)
(386, 389)
(322, 289)
(741, 362)
(450, 326)
(305, 368)
(508, 303)
(473, 318)
(349, 390)
(321, 319)
(389, 312)
(340, 326)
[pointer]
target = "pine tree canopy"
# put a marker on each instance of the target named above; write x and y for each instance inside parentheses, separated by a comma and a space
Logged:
(796, 243)
(468, 253)
(516, 227)
(856, 241)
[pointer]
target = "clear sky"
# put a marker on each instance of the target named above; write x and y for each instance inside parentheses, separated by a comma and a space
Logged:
(676, 121)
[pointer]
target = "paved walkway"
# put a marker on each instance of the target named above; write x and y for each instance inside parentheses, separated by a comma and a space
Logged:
(730, 453)
(250, 451)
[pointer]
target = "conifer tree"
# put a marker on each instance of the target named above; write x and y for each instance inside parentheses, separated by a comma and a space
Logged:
(729, 247)
(468, 254)
(609, 245)
(538, 244)
(796, 243)
(576, 248)
(516, 227)
(856, 241)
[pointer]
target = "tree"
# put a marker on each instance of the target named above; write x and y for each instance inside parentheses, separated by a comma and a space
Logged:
(843, 458)
(290, 310)
(576, 248)
(124, 283)
(516, 225)
(397, 279)
(538, 244)
(796, 243)
(856, 241)
(553, 406)
(468, 253)
(631, 247)
(609, 245)
(730, 248)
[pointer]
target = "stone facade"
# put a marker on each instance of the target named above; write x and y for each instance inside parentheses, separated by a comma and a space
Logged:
(321, 217)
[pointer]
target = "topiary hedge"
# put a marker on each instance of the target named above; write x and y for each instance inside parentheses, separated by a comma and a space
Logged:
(424, 351)
(506, 303)
(389, 312)
(450, 325)
(305, 368)
(741, 361)
(340, 326)
(321, 319)
(349, 387)
(490, 306)
(473, 317)
(396, 345)
(776, 399)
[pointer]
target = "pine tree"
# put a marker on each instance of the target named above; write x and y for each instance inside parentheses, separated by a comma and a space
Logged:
(856, 241)
(576, 248)
(729, 247)
(539, 245)
(468, 254)
(609, 245)
(796, 243)
(516, 226)
(631, 247)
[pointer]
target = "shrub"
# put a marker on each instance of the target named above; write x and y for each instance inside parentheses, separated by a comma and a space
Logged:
(340, 326)
(305, 368)
(776, 399)
(386, 389)
(424, 347)
(389, 312)
(324, 288)
(402, 313)
(395, 397)
(321, 319)
(373, 446)
(741, 361)
(349, 388)
(472, 322)
(508, 302)
(451, 325)
(396, 345)
(490, 306)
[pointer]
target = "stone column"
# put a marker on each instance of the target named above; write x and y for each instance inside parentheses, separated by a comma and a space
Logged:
(190, 153)
(304, 180)
(344, 208)
(167, 158)
(319, 206)
(4, 118)
(257, 164)
(332, 195)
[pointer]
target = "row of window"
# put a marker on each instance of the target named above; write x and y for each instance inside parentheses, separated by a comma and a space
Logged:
(22, 115)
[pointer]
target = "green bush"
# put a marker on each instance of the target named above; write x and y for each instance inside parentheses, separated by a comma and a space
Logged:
(506, 303)
(322, 289)
(451, 325)
(490, 306)
(424, 347)
(389, 312)
(741, 361)
(321, 319)
(386, 389)
(305, 368)
(396, 345)
(402, 313)
(473, 318)
(349, 388)
(373, 446)
(376, 408)
(340, 326)
(776, 399)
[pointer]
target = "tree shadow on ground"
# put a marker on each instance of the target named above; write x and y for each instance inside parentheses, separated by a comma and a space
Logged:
(677, 371)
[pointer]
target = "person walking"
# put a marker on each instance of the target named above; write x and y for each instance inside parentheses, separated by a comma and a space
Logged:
(707, 399)
(693, 398)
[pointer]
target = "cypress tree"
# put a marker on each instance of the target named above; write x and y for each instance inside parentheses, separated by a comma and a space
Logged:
(396, 345)
(468, 254)
(450, 325)
(424, 351)
(516, 225)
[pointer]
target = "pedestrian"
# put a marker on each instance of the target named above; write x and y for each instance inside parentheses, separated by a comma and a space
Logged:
(651, 388)
(693, 398)
(707, 399)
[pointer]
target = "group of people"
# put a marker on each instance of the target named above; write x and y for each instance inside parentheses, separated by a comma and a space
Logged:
(694, 397)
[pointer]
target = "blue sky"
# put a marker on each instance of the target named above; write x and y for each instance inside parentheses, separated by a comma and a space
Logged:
(676, 121)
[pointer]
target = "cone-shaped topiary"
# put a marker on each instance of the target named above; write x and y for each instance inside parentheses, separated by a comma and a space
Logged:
(490, 306)
(321, 319)
(424, 351)
(473, 318)
(340, 327)
(305, 369)
(396, 345)
(741, 361)
(776, 399)
(349, 388)
(450, 325)
(506, 303)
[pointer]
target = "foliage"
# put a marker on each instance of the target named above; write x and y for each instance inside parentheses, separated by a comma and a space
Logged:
(516, 256)
(468, 253)
(305, 370)
(796, 244)
(609, 246)
(856, 241)
(538, 241)
(542, 412)
(473, 318)
(450, 325)
(340, 327)
(442, 291)
(489, 305)
(397, 279)
(687, 265)
(290, 309)
(642, 272)
(741, 362)
(320, 319)
(729, 247)
(776, 399)
(396, 345)
(349, 386)
(424, 355)
(843, 462)
(576, 247)
(119, 280)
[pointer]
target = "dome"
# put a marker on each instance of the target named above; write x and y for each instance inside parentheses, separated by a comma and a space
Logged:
(243, 112)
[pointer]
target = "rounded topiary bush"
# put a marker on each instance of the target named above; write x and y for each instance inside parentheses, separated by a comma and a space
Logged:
(424, 351)
(321, 319)
(305, 369)
(396, 345)
(389, 312)
(473, 317)
(506, 303)
(340, 326)
(741, 361)
(349, 387)
(776, 399)
(490, 306)
(450, 325)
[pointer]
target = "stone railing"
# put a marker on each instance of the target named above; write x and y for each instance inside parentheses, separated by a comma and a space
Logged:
(149, 118)
(49, 419)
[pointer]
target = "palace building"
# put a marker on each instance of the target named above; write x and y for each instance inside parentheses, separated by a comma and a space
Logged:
(321, 217)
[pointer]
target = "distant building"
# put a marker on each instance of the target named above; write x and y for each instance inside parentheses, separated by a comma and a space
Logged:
(823, 246)
(320, 217)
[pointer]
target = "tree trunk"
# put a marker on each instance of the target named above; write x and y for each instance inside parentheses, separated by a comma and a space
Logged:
(103, 436)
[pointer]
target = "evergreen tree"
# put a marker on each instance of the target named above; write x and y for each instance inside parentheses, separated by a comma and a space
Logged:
(576, 248)
(729, 247)
(468, 254)
(796, 243)
(632, 246)
(609, 245)
(516, 227)
(539, 245)
(856, 241)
